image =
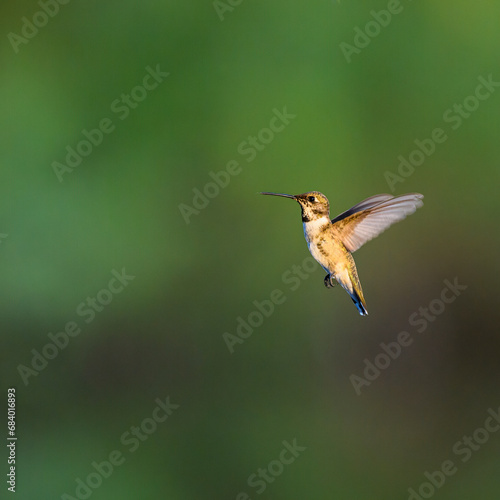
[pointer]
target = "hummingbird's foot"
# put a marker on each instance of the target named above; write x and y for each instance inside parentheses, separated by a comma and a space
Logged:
(330, 281)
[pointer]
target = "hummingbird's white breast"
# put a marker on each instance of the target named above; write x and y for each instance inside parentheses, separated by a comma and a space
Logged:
(312, 230)
(314, 227)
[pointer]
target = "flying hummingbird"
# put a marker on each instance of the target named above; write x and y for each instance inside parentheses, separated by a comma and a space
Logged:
(332, 242)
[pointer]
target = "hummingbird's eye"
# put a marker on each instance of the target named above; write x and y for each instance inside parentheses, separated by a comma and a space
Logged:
(312, 199)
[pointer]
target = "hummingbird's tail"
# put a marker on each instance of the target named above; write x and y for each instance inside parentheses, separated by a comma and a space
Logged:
(355, 290)
(350, 283)
(359, 302)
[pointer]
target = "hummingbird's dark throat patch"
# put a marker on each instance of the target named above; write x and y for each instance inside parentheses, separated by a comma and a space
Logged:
(313, 213)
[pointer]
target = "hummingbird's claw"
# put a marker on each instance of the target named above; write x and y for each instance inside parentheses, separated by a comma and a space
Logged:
(330, 281)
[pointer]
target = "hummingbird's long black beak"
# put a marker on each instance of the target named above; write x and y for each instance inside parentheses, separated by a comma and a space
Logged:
(281, 194)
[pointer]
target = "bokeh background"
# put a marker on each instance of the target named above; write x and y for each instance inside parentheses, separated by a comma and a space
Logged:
(163, 335)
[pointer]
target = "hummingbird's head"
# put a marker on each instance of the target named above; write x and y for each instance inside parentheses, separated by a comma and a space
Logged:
(314, 204)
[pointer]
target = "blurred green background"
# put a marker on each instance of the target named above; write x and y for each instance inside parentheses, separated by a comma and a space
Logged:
(163, 334)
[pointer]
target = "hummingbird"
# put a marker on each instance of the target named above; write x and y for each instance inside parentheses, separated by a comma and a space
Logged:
(333, 241)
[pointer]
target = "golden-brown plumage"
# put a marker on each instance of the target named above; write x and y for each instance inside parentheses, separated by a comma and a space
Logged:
(331, 242)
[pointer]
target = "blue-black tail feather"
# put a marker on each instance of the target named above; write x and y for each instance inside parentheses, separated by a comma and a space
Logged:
(358, 303)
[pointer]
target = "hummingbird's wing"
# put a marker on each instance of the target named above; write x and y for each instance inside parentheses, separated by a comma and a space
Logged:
(368, 203)
(374, 217)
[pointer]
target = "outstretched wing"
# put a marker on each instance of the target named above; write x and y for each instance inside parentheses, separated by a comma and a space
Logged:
(368, 219)
(365, 204)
